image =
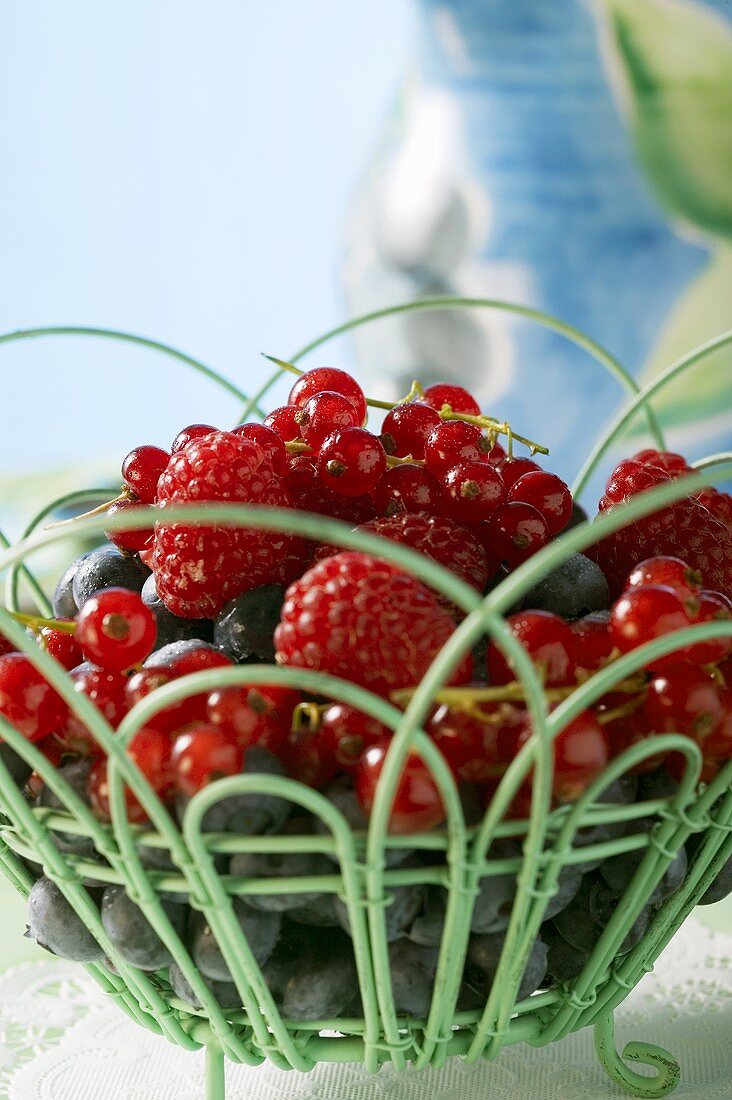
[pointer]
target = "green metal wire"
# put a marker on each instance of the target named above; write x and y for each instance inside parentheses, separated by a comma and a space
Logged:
(361, 875)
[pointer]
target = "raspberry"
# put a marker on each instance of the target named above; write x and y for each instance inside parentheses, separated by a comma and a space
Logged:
(443, 540)
(198, 569)
(674, 464)
(358, 617)
(685, 530)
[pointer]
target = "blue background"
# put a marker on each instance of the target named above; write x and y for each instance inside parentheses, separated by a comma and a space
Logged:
(182, 170)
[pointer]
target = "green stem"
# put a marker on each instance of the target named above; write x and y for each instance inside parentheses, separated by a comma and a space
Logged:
(38, 622)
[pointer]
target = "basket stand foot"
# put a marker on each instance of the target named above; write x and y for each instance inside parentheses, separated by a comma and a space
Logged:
(648, 1054)
(215, 1073)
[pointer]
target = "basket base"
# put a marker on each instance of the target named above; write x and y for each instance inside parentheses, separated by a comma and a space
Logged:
(647, 1054)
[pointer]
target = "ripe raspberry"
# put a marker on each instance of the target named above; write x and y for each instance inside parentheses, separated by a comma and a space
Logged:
(438, 538)
(358, 617)
(197, 568)
(686, 529)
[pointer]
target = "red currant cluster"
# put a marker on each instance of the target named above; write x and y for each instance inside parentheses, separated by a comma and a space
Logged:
(436, 456)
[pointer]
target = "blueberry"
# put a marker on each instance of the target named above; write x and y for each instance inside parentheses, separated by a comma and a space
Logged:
(604, 903)
(721, 887)
(259, 865)
(344, 798)
(619, 793)
(404, 904)
(324, 983)
(165, 656)
(583, 921)
(578, 516)
(170, 627)
(76, 773)
(428, 925)
(412, 968)
(469, 998)
(106, 569)
(320, 912)
(260, 930)
(564, 962)
(568, 883)
(20, 771)
(494, 902)
(656, 784)
(576, 587)
(618, 871)
(252, 814)
(484, 955)
(246, 626)
(225, 992)
(132, 934)
(55, 925)
(64, 604)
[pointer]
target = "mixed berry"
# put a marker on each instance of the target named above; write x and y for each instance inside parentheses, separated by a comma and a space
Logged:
(173, 598)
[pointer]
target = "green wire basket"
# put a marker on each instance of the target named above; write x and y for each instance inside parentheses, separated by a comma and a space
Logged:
(363, 879)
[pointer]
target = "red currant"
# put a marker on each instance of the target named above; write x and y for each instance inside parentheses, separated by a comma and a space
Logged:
(270, 442)
(189, 710)
(150, 750)
(283, 422)
(642, 614)
(470, 747)
(141, 471)
(27, 700)
(417, 803)
(106, 690)
(592, 643)
(351, 462)
(712, 607)
(627, 730)
(325, 413)
(580, 753)
(203, 754)
(406, 427)
(548, 494)
(350, 732)
(61, 645)
(308, 755)
(408, 488)
(458, 398)
(496, 455)
(54, 752)
(187, 435)
(669, 572)
(134, 539)
(683, 699)
(548, 641)
(513, 533)
(514, 468)
(452, 442)
(472, 491)
(254, 714)
(717, 745)
(328, 378)
(115, 629)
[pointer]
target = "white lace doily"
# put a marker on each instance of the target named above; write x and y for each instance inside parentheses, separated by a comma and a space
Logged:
(62, 1039)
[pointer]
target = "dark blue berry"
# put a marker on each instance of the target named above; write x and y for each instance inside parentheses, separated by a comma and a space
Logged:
(260, 865)
(246, 626)
(564, 962)
(260, 930)
(320, 913)
(252, 814)
(225, 992)
(170, 627)
(55, 925)
(576, 587)
(64, 604)
(76, 773)
(484, 955)
(428, 925)
(412, 968)
(132, 934)
(344, 799)
(404, 904)
(165, 656)
(20, 771)
(618, 871)
(323, 985)
(107, 569)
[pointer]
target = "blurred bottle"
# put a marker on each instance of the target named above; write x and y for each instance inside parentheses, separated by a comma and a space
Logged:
(512, 173)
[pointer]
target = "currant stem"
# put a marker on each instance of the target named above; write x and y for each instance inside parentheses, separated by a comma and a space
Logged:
(124, 495)
(37, 622)
(294, 447)
(470, 698)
